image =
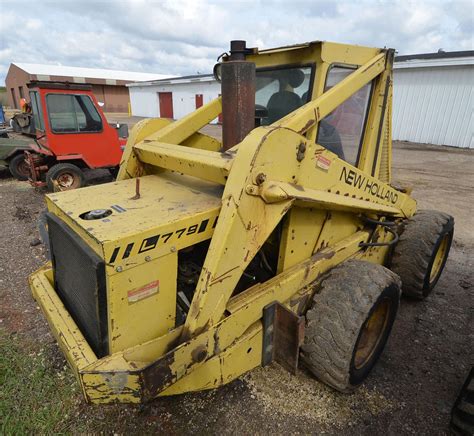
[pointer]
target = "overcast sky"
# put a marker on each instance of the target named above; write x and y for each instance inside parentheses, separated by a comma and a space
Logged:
(186, 36)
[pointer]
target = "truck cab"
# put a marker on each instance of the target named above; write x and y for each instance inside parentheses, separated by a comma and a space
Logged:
(72, 134)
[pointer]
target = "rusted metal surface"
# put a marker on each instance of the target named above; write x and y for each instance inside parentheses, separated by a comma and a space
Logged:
(36, 168)
(238, 97)
(238, 50)
(137, 190)
(283, 334)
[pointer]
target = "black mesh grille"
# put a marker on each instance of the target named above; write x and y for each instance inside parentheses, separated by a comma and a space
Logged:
(79, 280)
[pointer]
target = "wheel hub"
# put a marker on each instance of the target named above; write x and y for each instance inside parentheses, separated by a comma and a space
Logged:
(371, 333)
(439, 258)
(65, 180)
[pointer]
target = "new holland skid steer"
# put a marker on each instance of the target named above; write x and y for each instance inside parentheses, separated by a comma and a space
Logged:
(284, 242)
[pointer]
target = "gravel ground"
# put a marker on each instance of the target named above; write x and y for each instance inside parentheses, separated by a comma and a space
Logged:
(410, 391)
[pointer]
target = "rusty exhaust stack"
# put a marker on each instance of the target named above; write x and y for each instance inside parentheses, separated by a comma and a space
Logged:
(238, 95)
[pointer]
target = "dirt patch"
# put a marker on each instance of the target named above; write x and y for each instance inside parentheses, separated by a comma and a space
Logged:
(410, 391)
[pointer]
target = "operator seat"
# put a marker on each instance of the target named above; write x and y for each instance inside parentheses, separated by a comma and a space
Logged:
(282, 103)
(285, 101)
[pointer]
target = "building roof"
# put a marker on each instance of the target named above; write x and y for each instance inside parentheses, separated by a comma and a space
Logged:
(420, 60)
(90, 73)
(175, 80)
(440, 59)
(438, 55)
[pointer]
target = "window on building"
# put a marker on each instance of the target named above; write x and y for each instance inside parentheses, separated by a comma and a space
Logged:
(281, 91)
(341, 131)
(20, 88)
(13, 93)
(37, 111)
(72, 113)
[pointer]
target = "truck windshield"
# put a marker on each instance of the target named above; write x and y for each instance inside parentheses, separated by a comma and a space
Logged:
(281, 91)
(72, 114)
(37, 112)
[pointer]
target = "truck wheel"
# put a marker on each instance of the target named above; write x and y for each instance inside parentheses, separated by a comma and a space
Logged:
(63, 177)
(18, 167)
(420, 255)
(349, 323)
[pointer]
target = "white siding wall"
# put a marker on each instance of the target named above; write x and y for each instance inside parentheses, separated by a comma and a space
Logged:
(434, 105)
(144, 99)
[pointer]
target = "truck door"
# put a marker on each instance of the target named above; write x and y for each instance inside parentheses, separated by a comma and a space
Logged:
(77, 130)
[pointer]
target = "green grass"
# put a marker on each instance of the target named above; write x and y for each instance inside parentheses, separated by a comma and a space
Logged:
(35, 397)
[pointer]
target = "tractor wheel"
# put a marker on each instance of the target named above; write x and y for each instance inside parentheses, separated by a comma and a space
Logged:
(63, 177)
(18, 167)
(349, 323)
(420, 255)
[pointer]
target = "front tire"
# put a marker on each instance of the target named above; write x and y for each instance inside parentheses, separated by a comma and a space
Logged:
(64, 177)
(422, 251)
(18, 167)
(349, 323)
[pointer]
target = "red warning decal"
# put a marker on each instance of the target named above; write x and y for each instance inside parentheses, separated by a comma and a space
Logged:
(145, 291)
(323, 162)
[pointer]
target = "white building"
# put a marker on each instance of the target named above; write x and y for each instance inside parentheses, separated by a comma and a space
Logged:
(174, 97)
(433, 98)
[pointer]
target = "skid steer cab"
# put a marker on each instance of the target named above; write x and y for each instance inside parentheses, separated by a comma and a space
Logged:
(283, 243)
(72, 134)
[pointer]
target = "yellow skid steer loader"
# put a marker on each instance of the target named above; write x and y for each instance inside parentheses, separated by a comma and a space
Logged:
(284, 242)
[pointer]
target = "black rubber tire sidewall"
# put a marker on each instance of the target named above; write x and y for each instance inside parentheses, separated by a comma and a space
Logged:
(427, 286)
(13, 167)
(392, 293)
(55, 170)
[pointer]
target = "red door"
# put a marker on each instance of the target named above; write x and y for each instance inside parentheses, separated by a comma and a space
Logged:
(199, 101)
(166, 104)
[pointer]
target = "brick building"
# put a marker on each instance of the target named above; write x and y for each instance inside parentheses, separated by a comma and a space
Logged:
(108, 85)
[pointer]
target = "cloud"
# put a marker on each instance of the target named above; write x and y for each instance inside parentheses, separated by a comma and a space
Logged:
(186, 36)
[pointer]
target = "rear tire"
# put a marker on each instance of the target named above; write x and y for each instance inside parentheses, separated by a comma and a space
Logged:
(64, 177)
(18, 167)
(349, 323)
(421, 253)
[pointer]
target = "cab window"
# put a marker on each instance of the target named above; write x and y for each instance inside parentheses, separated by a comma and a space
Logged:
(37, 111)
(72, 114)
(341, 131)
(281, 91)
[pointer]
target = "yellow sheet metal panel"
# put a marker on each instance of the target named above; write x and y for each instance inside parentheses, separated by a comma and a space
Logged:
(112, 387)
(204, 164)
(300, 235)
(142, 302)
(185, 199)
(240, 357)
(202, 141)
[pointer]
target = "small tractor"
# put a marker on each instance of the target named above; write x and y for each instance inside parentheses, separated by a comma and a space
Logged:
(12, 154)
(285, 242)
(12, 148)
(72, 134)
